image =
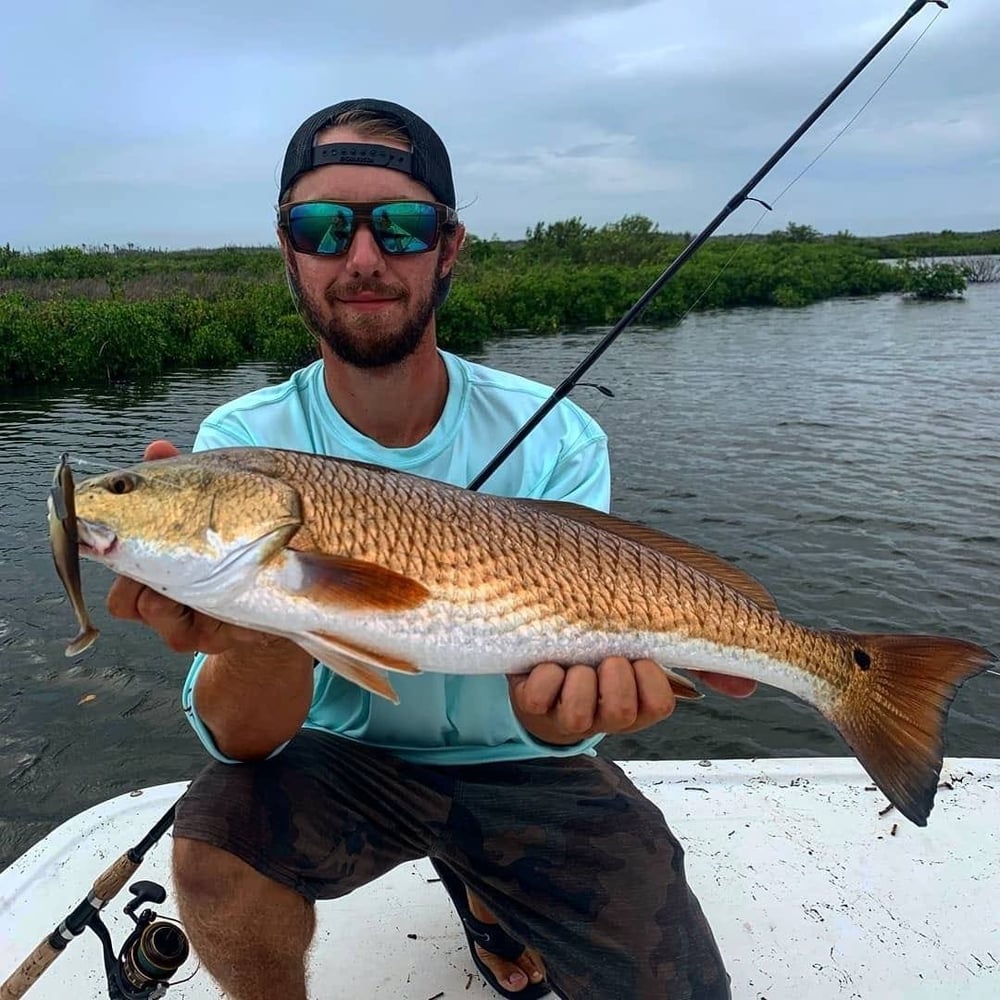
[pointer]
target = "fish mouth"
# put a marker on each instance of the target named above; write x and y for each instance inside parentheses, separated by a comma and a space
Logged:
(95, 539)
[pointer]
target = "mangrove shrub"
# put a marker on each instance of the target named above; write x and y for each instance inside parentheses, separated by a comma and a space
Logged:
(78, 314)
(925, 280)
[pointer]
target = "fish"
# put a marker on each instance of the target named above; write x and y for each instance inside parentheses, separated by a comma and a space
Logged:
(65, 554)
(375, 571)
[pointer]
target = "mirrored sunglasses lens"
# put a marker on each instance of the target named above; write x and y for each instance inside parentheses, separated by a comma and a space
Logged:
(321, 227)
(405, 226)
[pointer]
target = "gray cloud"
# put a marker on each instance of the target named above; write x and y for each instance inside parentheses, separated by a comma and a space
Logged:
(164, 124)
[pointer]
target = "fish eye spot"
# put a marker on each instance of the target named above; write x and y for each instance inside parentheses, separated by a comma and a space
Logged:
(862, 659)
(121, 485)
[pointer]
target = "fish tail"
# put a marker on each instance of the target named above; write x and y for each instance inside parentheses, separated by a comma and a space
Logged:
(893, 713)
(83, 641)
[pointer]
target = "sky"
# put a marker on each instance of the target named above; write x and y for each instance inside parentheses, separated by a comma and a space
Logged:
(163, 124)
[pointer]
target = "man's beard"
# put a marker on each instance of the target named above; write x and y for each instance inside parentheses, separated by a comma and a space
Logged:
(368, 341)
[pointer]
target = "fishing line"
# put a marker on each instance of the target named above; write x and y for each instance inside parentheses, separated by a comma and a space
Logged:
(566, 386)
(725, 266)
(769, 206)
(857, 114)
(99, 465)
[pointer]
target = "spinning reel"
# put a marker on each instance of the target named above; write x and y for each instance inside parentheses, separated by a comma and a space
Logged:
(151, 954)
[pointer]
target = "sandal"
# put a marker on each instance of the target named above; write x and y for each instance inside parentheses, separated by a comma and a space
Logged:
(490, 937)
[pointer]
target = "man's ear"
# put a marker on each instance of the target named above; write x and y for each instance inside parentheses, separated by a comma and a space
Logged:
(453, 245)
(286, 253)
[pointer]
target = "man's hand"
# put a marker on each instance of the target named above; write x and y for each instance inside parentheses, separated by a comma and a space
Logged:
(564, 705)
(254, 689)
(183, 630)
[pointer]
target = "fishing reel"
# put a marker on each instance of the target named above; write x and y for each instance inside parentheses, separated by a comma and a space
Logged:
(151, 954)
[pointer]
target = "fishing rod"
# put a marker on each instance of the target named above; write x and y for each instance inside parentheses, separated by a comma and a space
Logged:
(567, 385)
(153, 952)
(111, 882)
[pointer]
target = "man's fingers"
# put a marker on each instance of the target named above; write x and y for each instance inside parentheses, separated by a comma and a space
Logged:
(158, 449)
(183, 629)
(159, 611)
(123, 597)
(538, 691)
(577, 706)
(618, 701)
(656, 696)
(174, 622)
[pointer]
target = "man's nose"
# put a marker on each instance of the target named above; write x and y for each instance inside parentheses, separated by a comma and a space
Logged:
(364, 256)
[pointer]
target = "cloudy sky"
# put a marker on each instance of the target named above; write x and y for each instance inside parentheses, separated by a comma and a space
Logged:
(164, 123)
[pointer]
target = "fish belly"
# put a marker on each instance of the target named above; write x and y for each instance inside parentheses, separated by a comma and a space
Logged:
(440, 637)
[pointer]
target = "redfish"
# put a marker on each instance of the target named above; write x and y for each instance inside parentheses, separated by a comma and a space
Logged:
(373, 571)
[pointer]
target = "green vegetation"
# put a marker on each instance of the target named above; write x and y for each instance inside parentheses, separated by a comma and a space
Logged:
(80, 314)
(944, 244)
(80, 340)
(925, 280)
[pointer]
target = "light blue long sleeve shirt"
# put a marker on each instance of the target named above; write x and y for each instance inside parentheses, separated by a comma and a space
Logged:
(440, 718)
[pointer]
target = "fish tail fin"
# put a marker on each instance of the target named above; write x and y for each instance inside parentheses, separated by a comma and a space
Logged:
(83, 641)
(893, 713)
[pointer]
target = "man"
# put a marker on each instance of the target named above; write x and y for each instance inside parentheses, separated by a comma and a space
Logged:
(319, 787)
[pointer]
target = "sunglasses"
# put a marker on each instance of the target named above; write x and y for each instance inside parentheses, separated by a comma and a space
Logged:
(326, 228)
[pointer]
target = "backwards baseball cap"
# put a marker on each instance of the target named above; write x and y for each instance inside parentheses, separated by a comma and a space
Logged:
(426, 162)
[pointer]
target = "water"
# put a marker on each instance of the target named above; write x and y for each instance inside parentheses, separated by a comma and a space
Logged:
(847, 454)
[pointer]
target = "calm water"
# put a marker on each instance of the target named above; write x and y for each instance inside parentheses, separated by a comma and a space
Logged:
(847, 454)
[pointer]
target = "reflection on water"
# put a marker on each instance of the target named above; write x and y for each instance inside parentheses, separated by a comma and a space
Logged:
(847, 454)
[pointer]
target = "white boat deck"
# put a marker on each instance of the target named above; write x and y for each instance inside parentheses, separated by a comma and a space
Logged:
(811, 892)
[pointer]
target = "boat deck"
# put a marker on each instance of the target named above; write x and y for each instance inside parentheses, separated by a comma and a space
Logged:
(812, 889)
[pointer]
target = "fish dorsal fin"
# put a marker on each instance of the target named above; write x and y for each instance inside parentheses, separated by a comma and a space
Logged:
(701, 559)
(351, 583)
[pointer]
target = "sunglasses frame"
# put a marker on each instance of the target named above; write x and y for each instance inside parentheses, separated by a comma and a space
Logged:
(444, 215)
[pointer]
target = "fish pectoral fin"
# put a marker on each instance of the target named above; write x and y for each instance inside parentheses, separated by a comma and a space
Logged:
(276, 540)
(372, 657)
(350, 584)
(677, 548)
(235, 571)
(347, 666)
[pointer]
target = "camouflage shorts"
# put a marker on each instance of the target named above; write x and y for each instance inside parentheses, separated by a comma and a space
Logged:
(567, 853)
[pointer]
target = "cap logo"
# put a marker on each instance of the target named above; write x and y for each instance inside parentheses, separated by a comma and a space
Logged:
(365, 154)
